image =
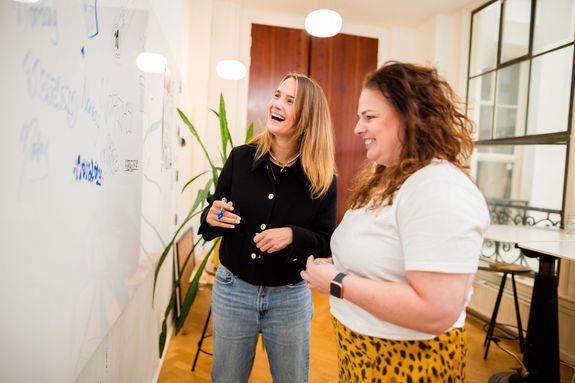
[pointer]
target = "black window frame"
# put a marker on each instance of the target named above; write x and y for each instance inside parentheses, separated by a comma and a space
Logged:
(555, 138)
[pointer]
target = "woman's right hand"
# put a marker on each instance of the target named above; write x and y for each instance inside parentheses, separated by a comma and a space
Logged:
(228, 219)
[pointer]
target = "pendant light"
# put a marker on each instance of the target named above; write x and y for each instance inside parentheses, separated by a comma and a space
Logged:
(231, 69)
(150, 62)
(323, 23)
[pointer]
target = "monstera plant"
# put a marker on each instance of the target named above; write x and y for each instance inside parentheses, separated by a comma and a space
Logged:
(196, 209)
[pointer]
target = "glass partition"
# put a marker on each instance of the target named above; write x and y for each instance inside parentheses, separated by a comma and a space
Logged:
(554, 24)
(522, 102)
(480, 104)
(515, 29)
(485, 34)
(551, 91)
(534, 174)
(511, 100)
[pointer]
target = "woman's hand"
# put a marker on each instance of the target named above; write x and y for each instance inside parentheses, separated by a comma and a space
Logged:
(228, 219)
(273, 240)
(319, 273)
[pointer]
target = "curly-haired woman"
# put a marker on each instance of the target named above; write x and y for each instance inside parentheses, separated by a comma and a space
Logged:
(406, 251)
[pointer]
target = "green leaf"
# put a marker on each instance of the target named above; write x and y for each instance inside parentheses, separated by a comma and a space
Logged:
(249, 133)
(215, 175)
(195, 134)
(193, 289)
(193, 179)
(201, 196)
(167, 249)
(224, 131)
(164, 330)
(161, 261)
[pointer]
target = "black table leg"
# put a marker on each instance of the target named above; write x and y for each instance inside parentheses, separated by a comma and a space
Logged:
(541, 357)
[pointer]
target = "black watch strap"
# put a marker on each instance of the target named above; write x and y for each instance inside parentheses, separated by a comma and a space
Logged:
(339, 277)
(336, 286)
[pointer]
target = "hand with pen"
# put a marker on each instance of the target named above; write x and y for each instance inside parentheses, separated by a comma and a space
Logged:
(220, 214)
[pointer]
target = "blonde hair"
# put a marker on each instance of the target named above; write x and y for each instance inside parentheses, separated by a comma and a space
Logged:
(433, 128)
(313, 135)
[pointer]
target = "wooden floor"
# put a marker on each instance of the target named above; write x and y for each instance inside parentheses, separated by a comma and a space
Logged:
(323, 363)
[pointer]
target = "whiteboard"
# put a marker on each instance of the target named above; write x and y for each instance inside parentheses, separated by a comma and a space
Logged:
(80, 129)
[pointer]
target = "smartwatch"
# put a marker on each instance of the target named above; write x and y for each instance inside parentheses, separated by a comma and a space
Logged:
(336, 286)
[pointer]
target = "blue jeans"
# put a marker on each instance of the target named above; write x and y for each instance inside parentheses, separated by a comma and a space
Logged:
(240, 311)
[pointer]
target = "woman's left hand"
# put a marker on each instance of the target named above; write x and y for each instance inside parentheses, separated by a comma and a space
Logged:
(273, 240)
(319, 273)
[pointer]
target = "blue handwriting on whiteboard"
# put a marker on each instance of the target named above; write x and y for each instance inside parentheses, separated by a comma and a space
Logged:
(39, 16)
(89, 106)
(91, 17)
(34, 145)
(49, 88)
(87, 170)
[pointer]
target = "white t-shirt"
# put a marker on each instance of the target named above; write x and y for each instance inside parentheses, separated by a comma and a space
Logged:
(436, 223)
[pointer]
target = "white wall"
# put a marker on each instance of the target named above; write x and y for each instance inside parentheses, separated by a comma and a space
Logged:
(194, 102)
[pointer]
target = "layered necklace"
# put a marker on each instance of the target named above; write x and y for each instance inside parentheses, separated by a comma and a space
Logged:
(283, 165)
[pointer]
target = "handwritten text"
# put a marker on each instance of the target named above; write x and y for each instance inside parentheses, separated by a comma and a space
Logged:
(87, 170)
(34, 145)
(40, 16)
(49, 88)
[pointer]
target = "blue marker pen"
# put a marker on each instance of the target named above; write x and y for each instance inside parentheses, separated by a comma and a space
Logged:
(221, 211)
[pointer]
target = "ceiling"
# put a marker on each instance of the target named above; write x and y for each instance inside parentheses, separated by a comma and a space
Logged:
(409, 13)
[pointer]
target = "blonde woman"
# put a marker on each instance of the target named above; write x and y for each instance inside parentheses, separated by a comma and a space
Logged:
(405, 253)
(274, 205)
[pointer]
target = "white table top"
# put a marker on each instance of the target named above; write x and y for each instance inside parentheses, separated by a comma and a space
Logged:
(517, 234)
(561, 249)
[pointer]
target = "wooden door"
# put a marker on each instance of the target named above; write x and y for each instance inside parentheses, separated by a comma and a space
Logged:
(275, 51)
(339, 65)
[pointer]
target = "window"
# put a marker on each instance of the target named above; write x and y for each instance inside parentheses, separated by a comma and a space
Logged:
(520, 95)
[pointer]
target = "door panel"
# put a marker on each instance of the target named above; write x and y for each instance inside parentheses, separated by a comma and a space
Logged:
(275, 51)
(339, 65)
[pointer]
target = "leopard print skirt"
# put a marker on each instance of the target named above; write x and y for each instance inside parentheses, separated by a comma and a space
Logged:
(363, 358)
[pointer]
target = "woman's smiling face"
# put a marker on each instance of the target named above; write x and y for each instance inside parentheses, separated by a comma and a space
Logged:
(281, 110)
(380, 127)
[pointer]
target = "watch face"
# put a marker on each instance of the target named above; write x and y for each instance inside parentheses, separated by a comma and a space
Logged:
(335, 289)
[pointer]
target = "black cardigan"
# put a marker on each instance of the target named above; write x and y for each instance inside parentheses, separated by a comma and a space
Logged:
(264, 198)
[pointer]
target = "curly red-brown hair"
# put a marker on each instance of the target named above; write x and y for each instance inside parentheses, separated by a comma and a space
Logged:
(434, 127)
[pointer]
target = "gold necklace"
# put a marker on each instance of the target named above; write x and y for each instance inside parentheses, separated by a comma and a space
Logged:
(283, 165)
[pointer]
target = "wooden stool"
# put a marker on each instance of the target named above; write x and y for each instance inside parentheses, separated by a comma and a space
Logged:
(512, 269)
